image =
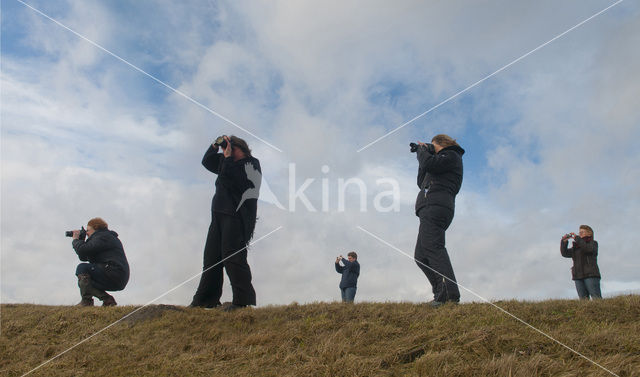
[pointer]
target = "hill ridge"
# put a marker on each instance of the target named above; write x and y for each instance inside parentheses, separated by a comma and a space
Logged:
(326, 339)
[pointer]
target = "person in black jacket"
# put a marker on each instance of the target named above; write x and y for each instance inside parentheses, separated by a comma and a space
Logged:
(233, 219)
(439, 180)
(107, 270)
(350, 271)
(585, 271)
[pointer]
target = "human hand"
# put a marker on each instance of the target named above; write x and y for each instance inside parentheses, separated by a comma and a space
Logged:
(228, 149)
(429, 147)
(76, 234)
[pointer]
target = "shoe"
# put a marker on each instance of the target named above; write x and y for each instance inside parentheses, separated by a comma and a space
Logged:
(109, 301)
(437, 304)
(212, 306)
(233, 307)
(197, 304)
(86, 302)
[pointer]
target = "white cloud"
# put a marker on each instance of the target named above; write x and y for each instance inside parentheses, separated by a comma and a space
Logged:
(550, 141)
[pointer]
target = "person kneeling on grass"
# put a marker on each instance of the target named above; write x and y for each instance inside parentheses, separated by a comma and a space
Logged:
(350, 271)
(107, 270)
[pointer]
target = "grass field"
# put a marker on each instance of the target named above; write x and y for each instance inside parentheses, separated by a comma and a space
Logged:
(326, 339)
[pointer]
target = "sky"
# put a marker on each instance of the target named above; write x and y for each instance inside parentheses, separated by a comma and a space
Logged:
(108, 113)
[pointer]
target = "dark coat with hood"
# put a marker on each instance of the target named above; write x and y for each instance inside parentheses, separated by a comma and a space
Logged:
(585, 257)
(231, 184)
(103, 247)
(439, 177)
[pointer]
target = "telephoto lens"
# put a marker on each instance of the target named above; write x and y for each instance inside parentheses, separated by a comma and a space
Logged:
(68, 233)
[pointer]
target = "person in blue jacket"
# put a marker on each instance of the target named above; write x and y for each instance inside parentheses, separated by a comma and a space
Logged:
(350, 270)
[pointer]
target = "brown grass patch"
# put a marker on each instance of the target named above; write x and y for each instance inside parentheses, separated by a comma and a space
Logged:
(326, 339)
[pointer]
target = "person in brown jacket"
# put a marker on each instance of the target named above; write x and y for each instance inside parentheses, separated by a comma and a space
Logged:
(584, 252)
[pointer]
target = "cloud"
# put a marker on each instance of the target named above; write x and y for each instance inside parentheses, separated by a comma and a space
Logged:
(550, 141)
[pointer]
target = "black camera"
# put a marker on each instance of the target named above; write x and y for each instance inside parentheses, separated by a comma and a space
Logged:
(430, 148)
(221, 142)
(83, 233)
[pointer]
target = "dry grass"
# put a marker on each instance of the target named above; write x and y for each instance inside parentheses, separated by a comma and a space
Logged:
(365, 339)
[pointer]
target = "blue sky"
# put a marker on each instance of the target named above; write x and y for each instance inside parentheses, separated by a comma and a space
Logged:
(549, 140)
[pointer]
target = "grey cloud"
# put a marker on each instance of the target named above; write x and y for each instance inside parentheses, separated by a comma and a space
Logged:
(306, 84)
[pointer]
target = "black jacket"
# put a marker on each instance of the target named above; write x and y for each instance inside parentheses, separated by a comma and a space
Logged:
(104, 247)
(233, 185)
(439, 177)
(350, 272)
(585, 258)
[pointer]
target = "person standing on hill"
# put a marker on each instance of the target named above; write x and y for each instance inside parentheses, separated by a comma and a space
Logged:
(233, 219)
(107, 268)
(350, 270)
(584, 252)
(439, 180)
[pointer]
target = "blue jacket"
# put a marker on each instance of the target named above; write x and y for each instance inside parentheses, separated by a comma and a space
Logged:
(350, 273)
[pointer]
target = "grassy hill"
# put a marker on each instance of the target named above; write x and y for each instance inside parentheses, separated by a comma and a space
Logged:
(326, 339)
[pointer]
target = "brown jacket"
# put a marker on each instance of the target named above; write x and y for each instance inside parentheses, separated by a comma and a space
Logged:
(585, 258)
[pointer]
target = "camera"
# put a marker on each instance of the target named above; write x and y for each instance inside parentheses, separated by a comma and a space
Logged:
(221, 142)
(414, 147)
(83, 233)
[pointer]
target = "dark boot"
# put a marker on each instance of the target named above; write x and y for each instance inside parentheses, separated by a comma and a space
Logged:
(88, 290)
(86, 302)
(87, 298)
(108, 300)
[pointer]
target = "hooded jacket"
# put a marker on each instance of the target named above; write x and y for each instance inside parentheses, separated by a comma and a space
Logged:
(104, 247)
(439, 177)
(231, 184)
(585, 258)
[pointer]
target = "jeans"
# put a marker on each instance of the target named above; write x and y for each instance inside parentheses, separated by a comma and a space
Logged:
(348, 294)
(588, 287)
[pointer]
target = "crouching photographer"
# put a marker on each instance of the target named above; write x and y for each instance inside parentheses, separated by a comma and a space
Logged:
(107, 268)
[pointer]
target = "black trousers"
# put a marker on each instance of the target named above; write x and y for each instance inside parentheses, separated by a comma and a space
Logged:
(225, 242)
(103, 276)
(431, 254)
